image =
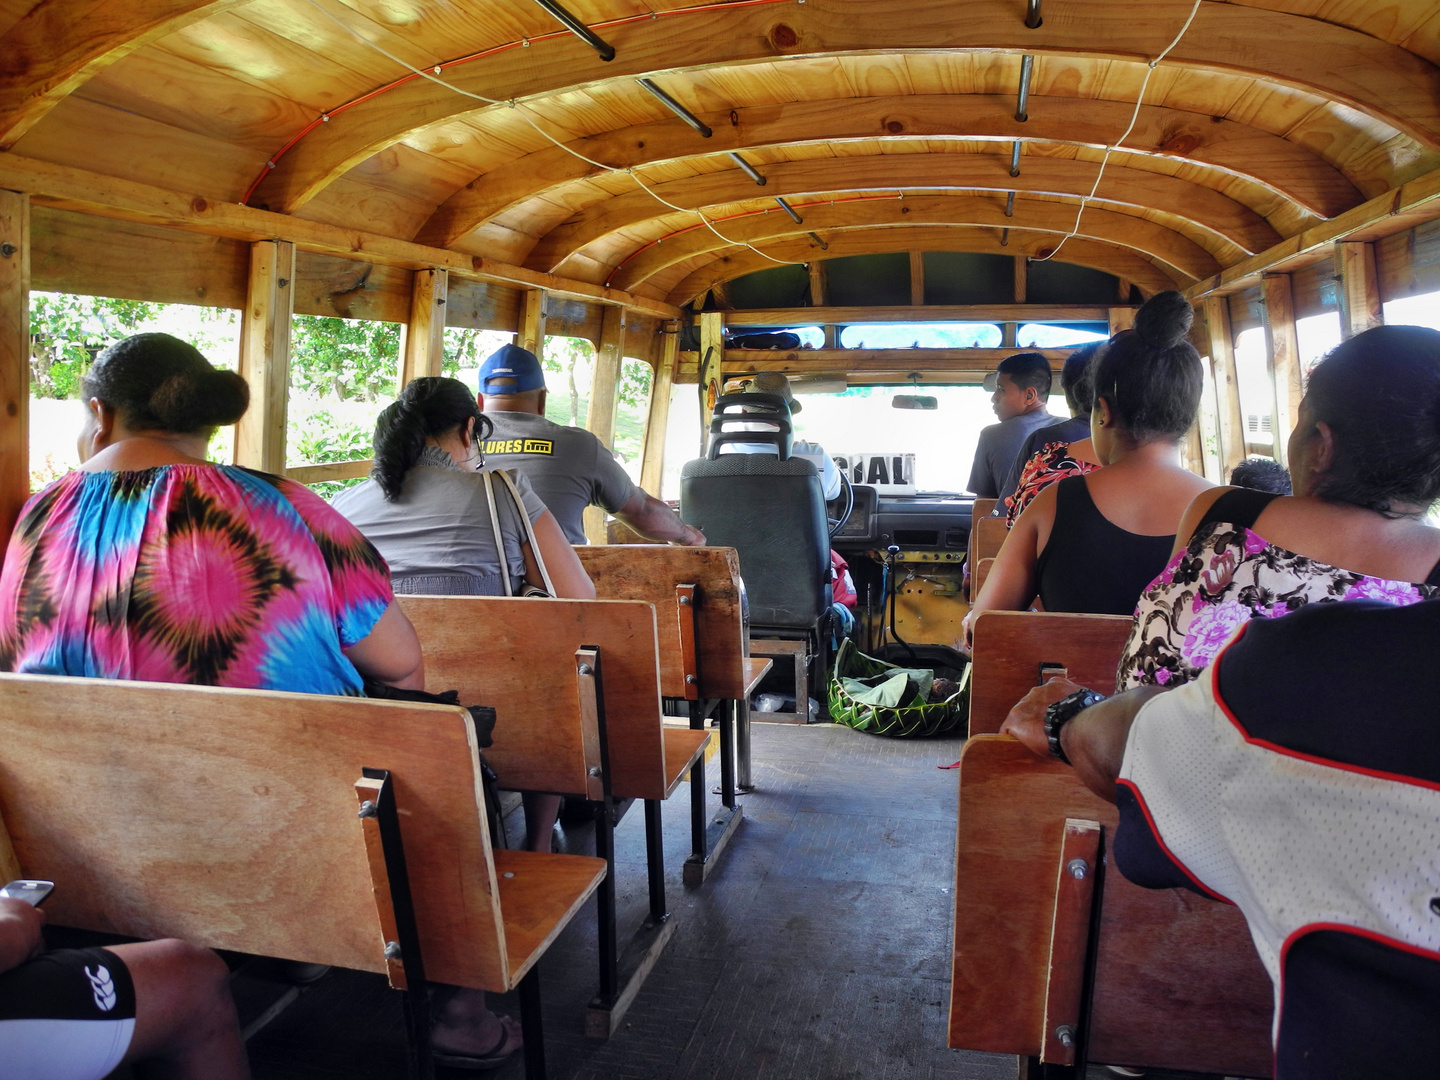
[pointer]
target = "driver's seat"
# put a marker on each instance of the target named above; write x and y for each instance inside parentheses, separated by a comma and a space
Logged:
(770, 507)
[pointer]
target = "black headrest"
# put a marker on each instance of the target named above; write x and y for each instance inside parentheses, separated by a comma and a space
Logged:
(752, 408)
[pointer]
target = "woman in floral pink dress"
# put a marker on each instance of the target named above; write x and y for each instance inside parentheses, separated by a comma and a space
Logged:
(1365, 461)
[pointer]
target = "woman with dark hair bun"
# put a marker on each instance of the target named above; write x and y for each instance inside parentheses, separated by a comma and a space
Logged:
(150, 562)
(428, 509)
(1365, 467)
(431, 514)
(1092, 543)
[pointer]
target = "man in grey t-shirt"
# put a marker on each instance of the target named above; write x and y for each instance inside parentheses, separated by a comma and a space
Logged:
(568, 467)
(1020, 389)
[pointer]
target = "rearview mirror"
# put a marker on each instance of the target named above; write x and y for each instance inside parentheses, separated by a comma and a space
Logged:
(914, 401)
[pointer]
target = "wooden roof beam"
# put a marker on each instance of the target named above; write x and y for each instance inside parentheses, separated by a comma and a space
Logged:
(1164, 245)
(1228, 229)
(1289, 170)
(1395, 211)
(844, 316)
(108, 197)
(57, 47)
(691, 279)
(1333, 62)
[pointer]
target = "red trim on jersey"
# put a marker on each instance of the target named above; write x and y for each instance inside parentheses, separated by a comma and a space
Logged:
(1159, 840)
(1342, 928)
(1265, 744)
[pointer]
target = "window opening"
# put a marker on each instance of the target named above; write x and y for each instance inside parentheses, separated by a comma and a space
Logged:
(1423, 310)
(68, 331)
(1045, 336)
(960, 335)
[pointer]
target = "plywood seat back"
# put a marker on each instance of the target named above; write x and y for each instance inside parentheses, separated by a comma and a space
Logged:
(651, 573)
(990, 533)
(518, 655)
(1010, 647)
(1177, 981)
(228, 818)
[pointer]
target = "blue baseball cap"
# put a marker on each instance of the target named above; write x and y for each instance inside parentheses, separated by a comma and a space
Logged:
(511, 362)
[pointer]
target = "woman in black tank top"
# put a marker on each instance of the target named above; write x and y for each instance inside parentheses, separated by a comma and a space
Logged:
(1062, 548)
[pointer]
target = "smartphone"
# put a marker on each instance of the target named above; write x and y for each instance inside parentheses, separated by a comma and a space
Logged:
(32, 891)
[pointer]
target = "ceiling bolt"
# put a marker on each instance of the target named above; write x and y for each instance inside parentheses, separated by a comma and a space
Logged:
(7, 249)
(367, 809)
(586, 669)
(1078, 868)
(392, 950)
(1065, 1035)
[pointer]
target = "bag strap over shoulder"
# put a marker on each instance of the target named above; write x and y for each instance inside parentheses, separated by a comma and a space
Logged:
(525, 523)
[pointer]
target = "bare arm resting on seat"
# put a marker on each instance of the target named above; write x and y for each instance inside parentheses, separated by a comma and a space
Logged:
(390, 653)
(1094, 741)
(653, 520)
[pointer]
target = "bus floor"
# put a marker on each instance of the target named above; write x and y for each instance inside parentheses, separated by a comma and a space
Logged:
(819, 949)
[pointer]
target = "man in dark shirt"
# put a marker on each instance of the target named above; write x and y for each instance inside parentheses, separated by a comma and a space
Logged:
(568, 467)
(1080, 396)
(1019, 391)
(1299, 779)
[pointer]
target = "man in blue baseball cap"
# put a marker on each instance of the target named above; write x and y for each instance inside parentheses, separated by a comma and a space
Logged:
(568, 467)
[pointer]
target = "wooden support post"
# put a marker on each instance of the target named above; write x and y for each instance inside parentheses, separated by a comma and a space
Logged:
(1022, 278)
(817, 283)
(1192, 453)
(1359, 291)
(1121, 318)
(265, 355)
(600, 420)
(831, 332)
(652, 461)
(712, 357)
(1008, 332)
(422, 339)
(14, 359)
(1282, 352)
(1227, 383)
(531, 334)
(917, 278)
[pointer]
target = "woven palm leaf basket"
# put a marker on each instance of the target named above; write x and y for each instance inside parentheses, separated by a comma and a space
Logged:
(909, 719)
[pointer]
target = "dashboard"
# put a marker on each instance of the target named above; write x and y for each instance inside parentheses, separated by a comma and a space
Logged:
(932, 521)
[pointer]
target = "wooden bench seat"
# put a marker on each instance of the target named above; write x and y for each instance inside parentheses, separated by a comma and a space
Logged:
(1011, 648)
(575, 685)
(756, 668)
(699, 603)
(1175, 982)
(229, 818)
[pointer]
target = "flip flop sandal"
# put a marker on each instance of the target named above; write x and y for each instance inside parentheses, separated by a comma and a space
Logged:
(491, 1059)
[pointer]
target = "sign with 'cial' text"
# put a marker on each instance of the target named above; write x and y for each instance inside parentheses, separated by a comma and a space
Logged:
(889, 474)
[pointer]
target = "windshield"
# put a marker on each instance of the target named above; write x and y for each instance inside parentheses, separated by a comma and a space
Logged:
(861, 421)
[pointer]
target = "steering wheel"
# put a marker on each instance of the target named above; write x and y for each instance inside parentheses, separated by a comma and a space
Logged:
(847, 493)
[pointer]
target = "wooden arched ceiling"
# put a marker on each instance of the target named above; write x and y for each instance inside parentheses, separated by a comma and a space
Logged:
(1268, 117)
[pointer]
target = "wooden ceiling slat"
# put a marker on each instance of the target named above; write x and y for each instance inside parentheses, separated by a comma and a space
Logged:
(55, 48)
(1123, 230)
(1331, 61)
(1121, 262)
(162, 86)
(348, 200)
(803, 180)
(1264, 159)
(146, 151)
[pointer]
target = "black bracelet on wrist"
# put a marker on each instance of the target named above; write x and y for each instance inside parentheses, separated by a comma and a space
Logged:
(1061, 712)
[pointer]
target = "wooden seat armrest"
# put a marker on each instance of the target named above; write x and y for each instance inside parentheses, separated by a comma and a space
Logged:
(539, 895)
(683, 748)
(756, 668)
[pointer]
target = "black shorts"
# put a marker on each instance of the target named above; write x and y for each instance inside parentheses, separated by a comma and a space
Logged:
(66, 1015)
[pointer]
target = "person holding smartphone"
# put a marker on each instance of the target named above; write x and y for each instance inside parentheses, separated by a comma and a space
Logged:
(76, 1014)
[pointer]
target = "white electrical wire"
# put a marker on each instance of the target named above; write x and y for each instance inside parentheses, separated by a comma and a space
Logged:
(522, 111)
(1134, 116)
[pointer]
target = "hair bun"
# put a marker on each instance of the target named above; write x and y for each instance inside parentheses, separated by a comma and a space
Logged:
(1164, 319)
(196, 399)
